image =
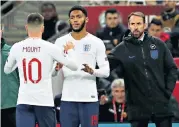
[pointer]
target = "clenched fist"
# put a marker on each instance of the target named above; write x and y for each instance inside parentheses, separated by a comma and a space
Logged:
(87, 69)
(58, 66)
(103, 99)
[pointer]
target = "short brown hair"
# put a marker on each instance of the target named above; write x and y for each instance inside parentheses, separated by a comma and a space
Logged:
(140, 14)
(35, 19)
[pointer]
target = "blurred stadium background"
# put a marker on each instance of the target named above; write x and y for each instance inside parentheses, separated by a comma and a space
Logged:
(14, 13)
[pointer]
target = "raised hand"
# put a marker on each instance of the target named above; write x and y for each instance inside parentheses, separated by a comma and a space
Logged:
(69, 45)
(58, 66)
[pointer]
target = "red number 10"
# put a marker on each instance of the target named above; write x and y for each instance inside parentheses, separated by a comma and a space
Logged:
(29, 67)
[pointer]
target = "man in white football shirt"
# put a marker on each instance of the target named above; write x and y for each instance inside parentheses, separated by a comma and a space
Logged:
(79, 95)
(34, 58)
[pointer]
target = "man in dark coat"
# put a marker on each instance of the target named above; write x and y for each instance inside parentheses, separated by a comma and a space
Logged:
(149, 73)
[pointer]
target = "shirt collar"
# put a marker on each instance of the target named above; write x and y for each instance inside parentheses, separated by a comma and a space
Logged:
(142, 38)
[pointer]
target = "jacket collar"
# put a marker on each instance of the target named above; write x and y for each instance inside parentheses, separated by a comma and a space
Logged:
(128, 38)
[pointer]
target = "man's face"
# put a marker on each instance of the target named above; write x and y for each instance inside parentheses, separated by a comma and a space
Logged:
(48, 12)
(169, 5)
(119, 94)
(77, 20)
(155, 30)
(137, 26)
(112, 20)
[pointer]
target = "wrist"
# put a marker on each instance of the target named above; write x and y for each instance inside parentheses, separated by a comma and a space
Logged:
(92, 72)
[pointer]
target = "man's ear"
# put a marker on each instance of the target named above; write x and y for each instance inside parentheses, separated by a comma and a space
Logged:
(68, 20)
(42, 29)
(128, 25)
(87, 19)
(26, 27)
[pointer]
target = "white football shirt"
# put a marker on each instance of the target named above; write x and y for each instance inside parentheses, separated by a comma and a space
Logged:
(80, 86)
(34, 58)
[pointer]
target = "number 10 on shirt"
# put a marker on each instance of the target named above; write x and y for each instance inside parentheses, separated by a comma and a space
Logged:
(28, 66)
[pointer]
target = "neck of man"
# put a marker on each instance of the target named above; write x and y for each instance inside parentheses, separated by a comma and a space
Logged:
(141, 37)
(118, 100)
(79, 35)
(35, 35)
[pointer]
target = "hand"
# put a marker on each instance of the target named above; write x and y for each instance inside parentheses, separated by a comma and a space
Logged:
(124, 114)
(108, 51)
(103, 99)
(87, 69)
(115, 41)
(69, 45)
(58, 66)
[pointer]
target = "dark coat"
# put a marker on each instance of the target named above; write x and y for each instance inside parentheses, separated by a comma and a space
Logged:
(150, 75)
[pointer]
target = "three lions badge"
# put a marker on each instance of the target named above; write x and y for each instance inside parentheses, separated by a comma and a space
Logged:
(153, 51)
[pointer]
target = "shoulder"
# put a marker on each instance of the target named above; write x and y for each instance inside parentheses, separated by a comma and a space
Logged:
(63, 37)
(20, 43)
(119, 49)
(120, 45)
(49, 47)
(47, 44)
(158, 42)
(95, 40)
(17, 45)
(62, 40)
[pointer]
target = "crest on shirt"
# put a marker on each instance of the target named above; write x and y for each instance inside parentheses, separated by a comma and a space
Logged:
(154, 54)
(87, 47)
(152, 46)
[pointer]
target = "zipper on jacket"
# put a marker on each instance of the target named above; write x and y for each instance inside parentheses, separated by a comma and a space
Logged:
(144, 61)
(146, 73)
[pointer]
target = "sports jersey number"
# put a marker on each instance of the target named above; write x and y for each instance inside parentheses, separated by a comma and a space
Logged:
(29, 67)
